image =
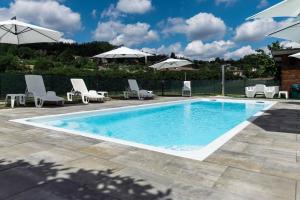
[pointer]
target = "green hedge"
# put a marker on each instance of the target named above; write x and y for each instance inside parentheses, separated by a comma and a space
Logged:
(15, 83)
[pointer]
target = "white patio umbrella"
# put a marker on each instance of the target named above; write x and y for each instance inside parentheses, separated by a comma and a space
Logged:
(297, 55)
(290, 32)
(286, 8)
(124, 52)
(17, 32)
(171, 63)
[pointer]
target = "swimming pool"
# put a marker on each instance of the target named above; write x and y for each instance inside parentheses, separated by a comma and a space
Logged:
(192, 129)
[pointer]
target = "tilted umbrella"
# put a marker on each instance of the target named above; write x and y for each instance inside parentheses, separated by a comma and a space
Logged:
(171, 63)
(297, 55)
(17, 32)
(286, 8)
(290, 32)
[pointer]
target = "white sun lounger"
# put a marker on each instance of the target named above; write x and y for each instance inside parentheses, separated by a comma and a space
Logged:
(187, 89)
(136, 92)
(36, 89)
(79, 88)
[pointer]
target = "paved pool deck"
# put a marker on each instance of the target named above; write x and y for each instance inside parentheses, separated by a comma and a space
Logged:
(261, 162)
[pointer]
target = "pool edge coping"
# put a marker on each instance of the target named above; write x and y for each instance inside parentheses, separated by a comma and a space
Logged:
(204, 152)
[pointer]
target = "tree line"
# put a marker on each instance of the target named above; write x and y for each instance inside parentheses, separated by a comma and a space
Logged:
(75, 59)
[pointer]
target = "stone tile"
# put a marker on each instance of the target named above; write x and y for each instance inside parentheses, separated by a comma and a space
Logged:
(256, 139)
(256, 185)
(288, 145)
(289, 170)
(188, 171)
(272, 152)
(55, 155)
(234, 146)
(20, 151)
(237, 160)
(6, 140)
(106, 150)
(61, 190)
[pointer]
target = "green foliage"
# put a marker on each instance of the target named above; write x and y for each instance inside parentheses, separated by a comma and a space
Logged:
(275, 46)
(8, 63)
(43, 64)
(25, 53)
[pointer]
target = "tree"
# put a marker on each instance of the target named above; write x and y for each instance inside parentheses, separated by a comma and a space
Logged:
(172, 55)
(43, 64)
(8, 63)
(275, 46)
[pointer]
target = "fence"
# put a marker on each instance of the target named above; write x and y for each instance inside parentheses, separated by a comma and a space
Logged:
(15, 83)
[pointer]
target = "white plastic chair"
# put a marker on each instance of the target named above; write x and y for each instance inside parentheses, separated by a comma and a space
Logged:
(187, 89)
(250, 91)
(270, 92)
(260, 89)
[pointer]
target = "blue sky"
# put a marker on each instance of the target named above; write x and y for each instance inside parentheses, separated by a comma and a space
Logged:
(202, 29)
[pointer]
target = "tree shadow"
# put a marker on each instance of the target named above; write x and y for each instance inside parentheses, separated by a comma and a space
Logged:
(47, 180)
(280, 120)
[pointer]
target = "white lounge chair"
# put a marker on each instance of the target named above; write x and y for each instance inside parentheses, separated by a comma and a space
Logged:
(80, 89)
(250, 91)
(36, 89)
(136, 92)
(187, 89)
(270, 92)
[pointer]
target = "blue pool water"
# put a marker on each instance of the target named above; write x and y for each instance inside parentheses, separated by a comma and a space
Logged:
(177, 126)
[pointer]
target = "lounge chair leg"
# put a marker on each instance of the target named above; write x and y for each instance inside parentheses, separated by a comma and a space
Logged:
(85, 99)
(38, 102)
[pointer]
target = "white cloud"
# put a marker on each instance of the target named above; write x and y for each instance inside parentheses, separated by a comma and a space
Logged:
(118, 33)
(207, 51)
(258, 29)
(239, 53)
(46, 13)
(134, 6)
(262, 4)
(94, 13)
(112, 13)
(226, 2)
(165, 50)
(199, 27)
(67, 41)
(289, 44)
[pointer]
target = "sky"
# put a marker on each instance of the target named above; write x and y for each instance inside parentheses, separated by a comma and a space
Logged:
(199, 29)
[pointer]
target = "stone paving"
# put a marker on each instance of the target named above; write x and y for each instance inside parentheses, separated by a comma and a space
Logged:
(261, 162)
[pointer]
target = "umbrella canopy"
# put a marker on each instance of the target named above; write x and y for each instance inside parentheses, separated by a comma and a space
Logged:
(286, 8)
(17, 32)
(123, 52)
(297, 55)
(171, 63)
(290, 32)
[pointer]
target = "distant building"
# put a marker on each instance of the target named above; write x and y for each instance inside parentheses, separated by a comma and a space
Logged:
(235, 71)
(289, 67)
